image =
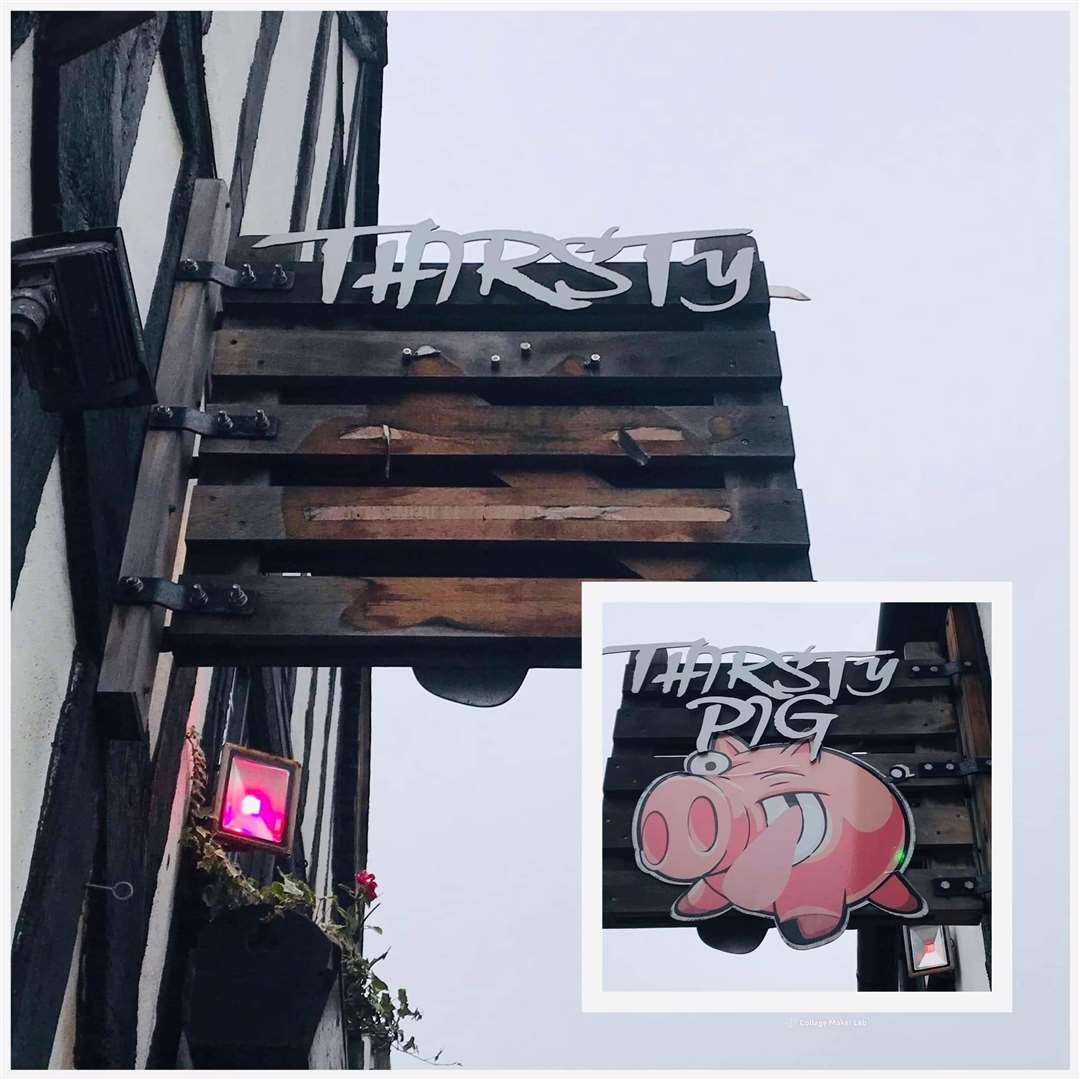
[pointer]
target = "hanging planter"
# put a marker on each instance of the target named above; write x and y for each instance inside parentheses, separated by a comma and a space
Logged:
(257, 986)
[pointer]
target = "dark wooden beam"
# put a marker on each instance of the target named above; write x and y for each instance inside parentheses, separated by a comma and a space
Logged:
(422, 425)
(70, 34)
(131, 650)
(297, 358)
(115, 932)
(63, 861)
(261, 518)
(389, 621)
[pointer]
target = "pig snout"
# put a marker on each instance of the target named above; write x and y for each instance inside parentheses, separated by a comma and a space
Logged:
(683, 827)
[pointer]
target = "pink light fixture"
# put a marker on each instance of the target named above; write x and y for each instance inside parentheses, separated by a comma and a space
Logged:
(255, 802)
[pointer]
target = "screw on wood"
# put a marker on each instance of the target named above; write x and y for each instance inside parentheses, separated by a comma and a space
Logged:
(199, 597)
(247, 275)
(236, 597)
(526, 349)
(593, 362)
(262, 421)
(406, 355)
(496, 360)
(279, 279)
(224, 420)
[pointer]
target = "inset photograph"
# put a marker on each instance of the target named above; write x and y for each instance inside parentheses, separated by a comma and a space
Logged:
(787, 793)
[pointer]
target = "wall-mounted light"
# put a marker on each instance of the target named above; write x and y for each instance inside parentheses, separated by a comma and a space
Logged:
(75, 322)
(928, 950)
(255, 801)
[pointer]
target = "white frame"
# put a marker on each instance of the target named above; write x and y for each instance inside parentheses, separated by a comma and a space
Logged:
(594, 595)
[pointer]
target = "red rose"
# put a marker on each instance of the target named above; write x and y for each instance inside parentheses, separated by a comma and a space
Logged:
(368, 885)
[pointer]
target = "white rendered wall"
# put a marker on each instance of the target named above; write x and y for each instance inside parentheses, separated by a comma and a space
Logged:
(42, 641)
(273, 170)
(228, 50)
(22, 80)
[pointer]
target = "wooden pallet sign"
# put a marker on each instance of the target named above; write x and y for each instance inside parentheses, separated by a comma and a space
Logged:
(446, 467)
(813, 795)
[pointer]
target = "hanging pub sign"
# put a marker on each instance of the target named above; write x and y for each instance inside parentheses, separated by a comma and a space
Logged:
(790, 831)
(507, 255)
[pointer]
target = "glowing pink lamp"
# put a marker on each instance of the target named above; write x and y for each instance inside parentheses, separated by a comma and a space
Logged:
(255, 803)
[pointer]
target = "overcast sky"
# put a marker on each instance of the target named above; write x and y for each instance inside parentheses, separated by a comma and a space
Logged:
(909, 172)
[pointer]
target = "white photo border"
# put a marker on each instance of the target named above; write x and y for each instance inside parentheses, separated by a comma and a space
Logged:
(594, 595)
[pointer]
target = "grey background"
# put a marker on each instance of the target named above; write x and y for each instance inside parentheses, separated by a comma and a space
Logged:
(909, 171)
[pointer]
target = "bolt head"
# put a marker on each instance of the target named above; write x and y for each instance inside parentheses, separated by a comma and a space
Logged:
(132, 584)
(946, 884)
(916, 668)
(969, 884)
(526, 346)
(950, 766)
(496, 359)
(928, 767)
(190, 266)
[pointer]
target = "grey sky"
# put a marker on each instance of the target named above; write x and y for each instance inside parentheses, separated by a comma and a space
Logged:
(909, 172)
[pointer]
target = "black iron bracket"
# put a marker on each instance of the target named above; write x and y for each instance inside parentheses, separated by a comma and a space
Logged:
(255, 279)
(219, 425)
(924, 770)
(196, 599)
(970, 885)
(940, 669)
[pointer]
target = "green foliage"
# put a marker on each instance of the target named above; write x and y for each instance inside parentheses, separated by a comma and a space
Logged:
(370, 1006)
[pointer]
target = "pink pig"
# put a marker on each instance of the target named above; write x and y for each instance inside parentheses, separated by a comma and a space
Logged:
(770, 832)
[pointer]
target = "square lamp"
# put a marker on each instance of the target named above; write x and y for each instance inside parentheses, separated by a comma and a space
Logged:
(928, 950)
(255, 802)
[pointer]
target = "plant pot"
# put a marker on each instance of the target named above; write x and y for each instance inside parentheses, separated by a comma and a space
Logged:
(256, 990)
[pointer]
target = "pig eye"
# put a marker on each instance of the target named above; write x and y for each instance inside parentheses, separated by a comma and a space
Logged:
(708, 763)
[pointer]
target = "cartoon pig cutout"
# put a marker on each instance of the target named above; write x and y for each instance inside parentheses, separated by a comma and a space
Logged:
(771, 832)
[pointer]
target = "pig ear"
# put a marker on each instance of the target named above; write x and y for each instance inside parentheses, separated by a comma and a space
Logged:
(802, 747)
(729, 745)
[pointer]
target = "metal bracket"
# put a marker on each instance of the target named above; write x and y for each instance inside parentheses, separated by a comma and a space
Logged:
(220, 425)
(929, 769)
(940, 669)
(255, 279)
(194, 598)
(977, 885)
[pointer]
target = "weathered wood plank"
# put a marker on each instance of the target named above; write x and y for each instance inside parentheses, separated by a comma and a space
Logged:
(423, 425)
(864, 721)
(295, 515)
(906, 682)
(293, 357)
(389, 621)
(936, 825)
(132, 645)
(632, 767)
(634, 899)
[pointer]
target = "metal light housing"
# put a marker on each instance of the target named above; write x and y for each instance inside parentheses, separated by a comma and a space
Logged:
(255, 801)
(928, 950)
(75, 321)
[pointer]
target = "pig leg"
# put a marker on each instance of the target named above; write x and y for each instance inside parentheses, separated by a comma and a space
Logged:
(702, 900)
(804, 924)
(895, 894)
